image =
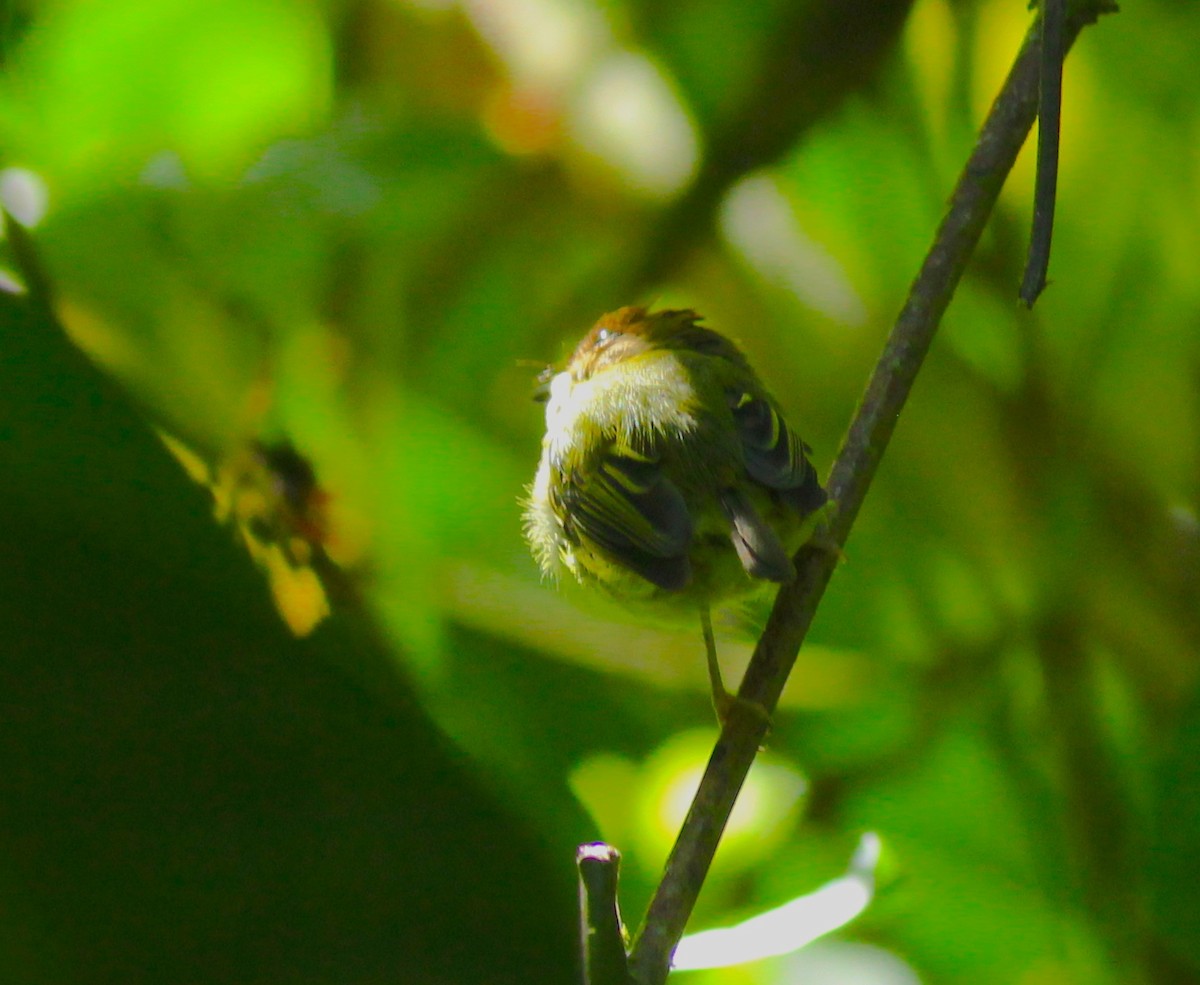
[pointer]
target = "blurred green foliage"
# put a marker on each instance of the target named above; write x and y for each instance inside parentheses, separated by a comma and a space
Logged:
(364, 225)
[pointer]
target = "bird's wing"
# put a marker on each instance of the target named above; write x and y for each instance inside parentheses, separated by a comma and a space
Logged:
(635, 514)
(758, 546)
(774, 454)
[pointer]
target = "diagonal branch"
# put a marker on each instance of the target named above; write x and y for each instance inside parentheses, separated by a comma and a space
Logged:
(1001, 138)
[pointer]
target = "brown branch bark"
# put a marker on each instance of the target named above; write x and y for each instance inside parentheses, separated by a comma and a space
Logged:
(602, 940)
(1001, 138)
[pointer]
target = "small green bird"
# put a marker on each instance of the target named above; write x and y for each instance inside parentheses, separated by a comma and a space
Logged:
(668, 475)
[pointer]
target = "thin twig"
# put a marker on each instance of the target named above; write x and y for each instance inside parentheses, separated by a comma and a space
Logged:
(600, 931)
(1053, 20)
(1003, 133)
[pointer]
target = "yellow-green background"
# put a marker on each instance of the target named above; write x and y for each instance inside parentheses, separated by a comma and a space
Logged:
(393, 216)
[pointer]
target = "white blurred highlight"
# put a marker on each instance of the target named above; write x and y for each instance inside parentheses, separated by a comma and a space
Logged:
(543, 43)
(757, 220)
(628, 115)
(791, 926)
(24, 195)
(840, 962)
(617, 106)
(10, 285)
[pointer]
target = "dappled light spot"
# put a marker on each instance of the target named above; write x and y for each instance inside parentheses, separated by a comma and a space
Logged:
(789, 927)
(269, 494)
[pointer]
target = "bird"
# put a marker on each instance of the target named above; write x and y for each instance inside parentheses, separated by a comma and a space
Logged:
(669, 478)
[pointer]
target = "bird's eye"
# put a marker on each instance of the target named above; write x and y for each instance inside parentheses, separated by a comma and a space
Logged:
(604, 337)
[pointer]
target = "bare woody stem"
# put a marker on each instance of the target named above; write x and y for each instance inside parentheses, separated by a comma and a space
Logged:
(1001, 138)
(601, 934)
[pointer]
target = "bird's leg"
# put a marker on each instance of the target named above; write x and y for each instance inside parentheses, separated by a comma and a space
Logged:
(819, 537)
(724, 702)
(721, 697)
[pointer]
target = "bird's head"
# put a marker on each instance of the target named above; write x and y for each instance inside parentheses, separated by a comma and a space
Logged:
(630, 332)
